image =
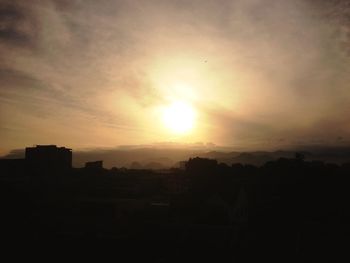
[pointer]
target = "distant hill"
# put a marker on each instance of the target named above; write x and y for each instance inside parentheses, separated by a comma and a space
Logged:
(158, 158)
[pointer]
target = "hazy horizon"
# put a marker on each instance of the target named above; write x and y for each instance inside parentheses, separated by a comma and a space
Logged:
(167, 155)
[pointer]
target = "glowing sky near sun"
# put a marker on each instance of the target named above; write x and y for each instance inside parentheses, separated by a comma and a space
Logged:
(179, 117)
(255, 73)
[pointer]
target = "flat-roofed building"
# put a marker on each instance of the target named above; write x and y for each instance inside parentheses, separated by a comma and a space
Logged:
(96, 165)
(48, 157)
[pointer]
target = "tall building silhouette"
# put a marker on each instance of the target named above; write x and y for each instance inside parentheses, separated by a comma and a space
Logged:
(45, 157)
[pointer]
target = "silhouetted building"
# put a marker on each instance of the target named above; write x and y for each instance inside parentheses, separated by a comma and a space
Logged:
(97, 165)
(48, 157)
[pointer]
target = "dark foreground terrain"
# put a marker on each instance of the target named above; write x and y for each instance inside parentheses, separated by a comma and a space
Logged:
(287, 210)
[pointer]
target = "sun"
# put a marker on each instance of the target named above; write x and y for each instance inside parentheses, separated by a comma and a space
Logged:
(179, 117)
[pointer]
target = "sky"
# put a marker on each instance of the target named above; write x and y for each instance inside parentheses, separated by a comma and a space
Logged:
(259, 74)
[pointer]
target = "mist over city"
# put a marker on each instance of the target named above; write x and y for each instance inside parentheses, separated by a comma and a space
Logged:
(175, 130)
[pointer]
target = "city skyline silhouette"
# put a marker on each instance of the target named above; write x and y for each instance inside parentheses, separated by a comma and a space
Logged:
(175, 130)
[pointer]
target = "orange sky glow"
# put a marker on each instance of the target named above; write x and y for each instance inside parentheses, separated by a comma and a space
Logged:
(254, 74)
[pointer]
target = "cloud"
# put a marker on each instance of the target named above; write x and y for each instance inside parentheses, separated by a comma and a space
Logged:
(274, 69)
(17, 26)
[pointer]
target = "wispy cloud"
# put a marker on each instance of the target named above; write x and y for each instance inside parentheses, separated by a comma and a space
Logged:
(94, 71)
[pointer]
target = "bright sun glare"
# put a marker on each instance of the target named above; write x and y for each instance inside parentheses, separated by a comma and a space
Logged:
(179, 117)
